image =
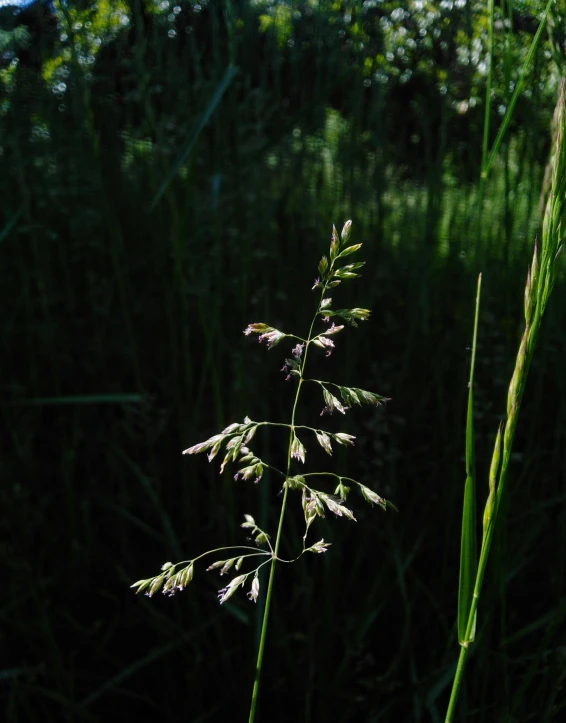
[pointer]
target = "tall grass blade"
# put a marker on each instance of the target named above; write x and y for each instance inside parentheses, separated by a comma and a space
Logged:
(468, 548)
(518, 89)
(229, 75)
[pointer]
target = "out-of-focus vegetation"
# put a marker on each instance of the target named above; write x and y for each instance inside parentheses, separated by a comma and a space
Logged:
(163, 168)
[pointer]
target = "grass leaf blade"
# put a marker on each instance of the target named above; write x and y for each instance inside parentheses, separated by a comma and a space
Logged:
(468, 548)
(229, 75)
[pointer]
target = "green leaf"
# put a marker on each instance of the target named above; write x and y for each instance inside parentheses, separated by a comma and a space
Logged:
(468, 562)
(349, 250)
(468, 545)
(341, 274)
(345, 272)
(346, 231)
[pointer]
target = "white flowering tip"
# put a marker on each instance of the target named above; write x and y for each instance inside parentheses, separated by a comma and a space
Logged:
(272, 337)
(338, 509)
(333, 329)
(332, 402)
(249, 521)
(216, 565)
(141, 584)
(320, 546)
(324, 441)
(346, 231)
(298, 451)
(372, 497)
(298, 351)
(227, 592)
(324, 343)
(361, 314)
(266, 333)
(254, 592)
(343, 438)
(203, 446)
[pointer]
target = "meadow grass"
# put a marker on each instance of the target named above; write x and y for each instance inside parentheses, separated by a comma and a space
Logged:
(106, 303)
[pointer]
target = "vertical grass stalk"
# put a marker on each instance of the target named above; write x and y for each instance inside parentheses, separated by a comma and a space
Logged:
(540, 281)
(259, 662)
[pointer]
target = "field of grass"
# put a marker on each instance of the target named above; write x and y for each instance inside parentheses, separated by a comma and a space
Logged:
(131, 263)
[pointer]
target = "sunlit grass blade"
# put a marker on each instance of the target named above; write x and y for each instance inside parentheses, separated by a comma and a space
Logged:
(468, 549)
(518, 89)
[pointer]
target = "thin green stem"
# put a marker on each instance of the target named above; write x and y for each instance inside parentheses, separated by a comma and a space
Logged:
(222, 549)
(457, 683)
(263, 636)
(273, 469)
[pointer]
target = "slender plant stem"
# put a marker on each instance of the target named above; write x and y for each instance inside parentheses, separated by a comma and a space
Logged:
(457, 682)
(263, 637)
